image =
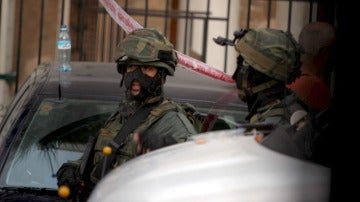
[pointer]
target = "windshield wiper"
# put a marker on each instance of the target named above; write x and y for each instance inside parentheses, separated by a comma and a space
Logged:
(27, 189)
(29, 194)
(83, 124)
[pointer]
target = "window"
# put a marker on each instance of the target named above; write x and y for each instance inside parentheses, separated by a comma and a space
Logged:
(58, 132)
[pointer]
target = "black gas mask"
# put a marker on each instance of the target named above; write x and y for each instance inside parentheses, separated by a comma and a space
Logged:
(250, 81)
(150, 86)
(241, 79)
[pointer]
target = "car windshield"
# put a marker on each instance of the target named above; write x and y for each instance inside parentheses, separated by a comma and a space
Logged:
(59, 130)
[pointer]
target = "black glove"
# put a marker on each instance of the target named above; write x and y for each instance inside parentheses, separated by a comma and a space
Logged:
(68, 175)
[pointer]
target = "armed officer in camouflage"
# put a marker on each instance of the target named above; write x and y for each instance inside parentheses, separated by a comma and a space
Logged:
(144, 59)
(268, 60)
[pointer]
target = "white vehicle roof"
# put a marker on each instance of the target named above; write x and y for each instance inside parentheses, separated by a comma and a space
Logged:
(215, 166)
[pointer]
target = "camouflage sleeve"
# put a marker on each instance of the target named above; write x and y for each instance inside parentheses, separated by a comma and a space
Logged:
(170, 129)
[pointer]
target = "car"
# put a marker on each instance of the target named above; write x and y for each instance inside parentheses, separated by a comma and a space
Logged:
(227, 165)
(48, 123)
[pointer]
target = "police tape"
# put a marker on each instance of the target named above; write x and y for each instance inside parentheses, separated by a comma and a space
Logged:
(128, 24)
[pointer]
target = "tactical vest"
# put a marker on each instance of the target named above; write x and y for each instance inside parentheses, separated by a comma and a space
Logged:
(294, 132)
(185, 114)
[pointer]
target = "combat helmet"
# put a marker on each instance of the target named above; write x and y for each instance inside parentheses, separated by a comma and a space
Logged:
(272, 52)
(146, 46)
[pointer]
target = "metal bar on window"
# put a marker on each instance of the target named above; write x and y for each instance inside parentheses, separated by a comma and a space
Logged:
(146, 13)
(81, 21)
(269, 14)
(289, 15)
(19, 46)
(103, 38)
(166, 17)
(110, 40)
(311, 11)
(40, 31)
(186, 26)
(205, 34)
(175, 14)
(227, 34)
(191, 30)
(126, 7)
(248, 14)
(62, 11)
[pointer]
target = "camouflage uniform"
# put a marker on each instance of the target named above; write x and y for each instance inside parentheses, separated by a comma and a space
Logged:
(166, 124)
(268, 60)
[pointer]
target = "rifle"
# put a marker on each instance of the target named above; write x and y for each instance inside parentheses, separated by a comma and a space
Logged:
(85, 185)
(75, 176)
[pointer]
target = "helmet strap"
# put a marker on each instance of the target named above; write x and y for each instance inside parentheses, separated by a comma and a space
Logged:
(121, 69)
(122, 81)
(244, 72)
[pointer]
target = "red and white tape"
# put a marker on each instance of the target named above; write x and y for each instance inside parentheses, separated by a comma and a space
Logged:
(128, 24)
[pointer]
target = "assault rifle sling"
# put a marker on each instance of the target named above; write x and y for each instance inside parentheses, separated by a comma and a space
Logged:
(134, 121)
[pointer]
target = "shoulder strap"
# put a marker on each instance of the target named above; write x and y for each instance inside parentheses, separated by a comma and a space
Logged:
(135, 120)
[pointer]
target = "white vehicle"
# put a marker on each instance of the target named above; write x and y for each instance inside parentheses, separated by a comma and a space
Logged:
(216, 166)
